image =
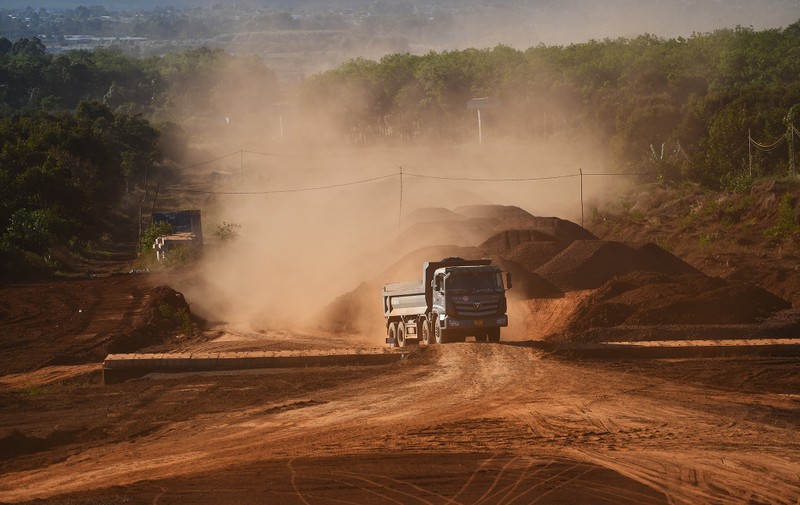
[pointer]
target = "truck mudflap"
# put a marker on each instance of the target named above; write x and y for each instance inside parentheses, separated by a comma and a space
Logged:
(390, 341)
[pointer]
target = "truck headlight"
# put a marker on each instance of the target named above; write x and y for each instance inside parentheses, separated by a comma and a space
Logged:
(502, 321)
(453, 322)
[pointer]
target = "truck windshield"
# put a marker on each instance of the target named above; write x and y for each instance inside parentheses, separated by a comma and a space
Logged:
(478, 281)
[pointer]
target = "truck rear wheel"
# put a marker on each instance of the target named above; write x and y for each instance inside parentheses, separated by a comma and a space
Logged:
(401, 334)
(439, 332)
(391, 332)
(425, 333)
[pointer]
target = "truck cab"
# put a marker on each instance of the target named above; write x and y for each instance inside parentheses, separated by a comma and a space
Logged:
(469, 301)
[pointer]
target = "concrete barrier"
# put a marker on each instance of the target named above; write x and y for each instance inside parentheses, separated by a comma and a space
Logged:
(121, 367)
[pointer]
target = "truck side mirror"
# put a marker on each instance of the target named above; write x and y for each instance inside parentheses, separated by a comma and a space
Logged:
(508, 280)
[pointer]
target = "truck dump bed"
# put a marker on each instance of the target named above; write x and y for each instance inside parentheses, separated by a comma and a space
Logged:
(404, 299)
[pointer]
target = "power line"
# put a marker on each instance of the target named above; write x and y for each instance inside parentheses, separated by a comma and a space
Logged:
(481, 179)
(281, 155)
(213, 160)
(275, 191)
(770, 147)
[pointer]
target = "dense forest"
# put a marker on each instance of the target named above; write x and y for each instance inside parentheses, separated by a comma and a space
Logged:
(82, 129)
(682, 107)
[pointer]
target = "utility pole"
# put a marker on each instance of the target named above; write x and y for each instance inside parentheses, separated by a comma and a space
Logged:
(791, 148)
(581, 172)
(400, 213)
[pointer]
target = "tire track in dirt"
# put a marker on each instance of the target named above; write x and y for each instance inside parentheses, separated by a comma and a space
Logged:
(668, 435)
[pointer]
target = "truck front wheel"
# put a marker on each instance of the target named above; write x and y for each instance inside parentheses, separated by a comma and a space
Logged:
(439, 332)
(494, 335)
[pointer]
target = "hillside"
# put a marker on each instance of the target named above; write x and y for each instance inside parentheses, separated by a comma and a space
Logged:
(751, 236)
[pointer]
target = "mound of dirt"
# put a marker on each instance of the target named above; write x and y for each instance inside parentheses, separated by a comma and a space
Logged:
(504, 241)
(166, 314)
(532, 255)
(502, 213)
(526, 285)
(665, 261)
(588, 264)
(560, 229)
(648, 299)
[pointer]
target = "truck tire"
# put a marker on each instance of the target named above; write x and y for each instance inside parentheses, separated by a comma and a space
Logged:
(391, 332)
(494, 335)
(439, 333)
(425, 333)
(401, 334)
(480, 337)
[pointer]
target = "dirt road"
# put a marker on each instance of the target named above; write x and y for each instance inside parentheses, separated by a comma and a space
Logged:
(462, 423)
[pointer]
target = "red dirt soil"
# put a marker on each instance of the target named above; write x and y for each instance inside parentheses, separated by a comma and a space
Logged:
(461, 423)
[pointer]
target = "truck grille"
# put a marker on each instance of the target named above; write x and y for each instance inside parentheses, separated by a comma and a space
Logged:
(477, 308)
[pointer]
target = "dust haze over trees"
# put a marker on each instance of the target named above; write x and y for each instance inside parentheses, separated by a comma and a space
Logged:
(82, 128)
(680, 108)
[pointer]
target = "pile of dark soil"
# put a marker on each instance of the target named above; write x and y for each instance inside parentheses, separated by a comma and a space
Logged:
(650, 299)
(503, 242)
(557, 228)
(588, 264)
(166, 314)
(532, 255)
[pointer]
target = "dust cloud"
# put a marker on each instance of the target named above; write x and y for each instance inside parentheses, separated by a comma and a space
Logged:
(301, 248)
(308, 235)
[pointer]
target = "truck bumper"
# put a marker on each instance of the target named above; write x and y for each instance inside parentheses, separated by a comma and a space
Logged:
(451, 323)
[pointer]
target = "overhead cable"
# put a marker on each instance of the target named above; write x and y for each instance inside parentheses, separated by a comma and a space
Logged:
(770, 147)
(275, 191)
(213, 160)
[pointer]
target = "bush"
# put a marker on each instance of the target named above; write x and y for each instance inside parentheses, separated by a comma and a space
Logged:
(150, 235)
(36, 230)
(787, 220)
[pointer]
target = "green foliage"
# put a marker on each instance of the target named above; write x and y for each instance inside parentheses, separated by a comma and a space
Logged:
(787, 219)
(705, 240)
(180, 256)
(180, 317)
(150, 235)
(36, 230)
(60, 172)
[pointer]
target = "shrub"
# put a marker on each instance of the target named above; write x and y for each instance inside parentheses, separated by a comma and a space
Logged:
(787, 220)
(150, 235)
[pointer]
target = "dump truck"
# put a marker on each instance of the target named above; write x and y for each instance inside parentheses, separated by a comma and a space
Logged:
(455, 299)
